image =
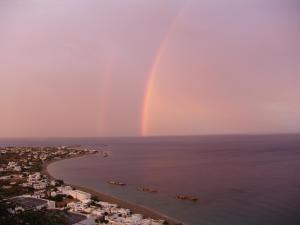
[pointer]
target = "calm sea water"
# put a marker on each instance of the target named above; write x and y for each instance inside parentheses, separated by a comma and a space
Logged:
(239, 180)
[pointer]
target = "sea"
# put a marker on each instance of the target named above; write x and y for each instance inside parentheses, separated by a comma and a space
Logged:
(238, 179)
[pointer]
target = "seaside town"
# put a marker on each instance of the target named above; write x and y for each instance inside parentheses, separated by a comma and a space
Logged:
(29, 196)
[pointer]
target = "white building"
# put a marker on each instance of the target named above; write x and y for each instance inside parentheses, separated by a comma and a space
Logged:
(11, 165)
(53, 194)
(39, 186)
(18, 168)
(32, 178)
(76, 206)
(80, 195)
(64, 190)
(107, 205)
(25, 184)
(5, 178)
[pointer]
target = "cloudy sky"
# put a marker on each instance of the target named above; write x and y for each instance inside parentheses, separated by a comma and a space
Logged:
(148, 67)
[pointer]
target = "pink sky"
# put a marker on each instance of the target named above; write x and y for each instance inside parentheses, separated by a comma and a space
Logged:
(82, 67)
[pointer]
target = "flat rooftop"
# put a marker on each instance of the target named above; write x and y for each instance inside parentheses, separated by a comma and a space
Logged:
(27, 202)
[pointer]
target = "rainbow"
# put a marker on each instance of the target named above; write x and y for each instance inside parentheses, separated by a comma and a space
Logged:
(152, 73)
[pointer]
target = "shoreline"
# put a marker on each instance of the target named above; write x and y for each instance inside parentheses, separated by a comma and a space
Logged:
(146, 212)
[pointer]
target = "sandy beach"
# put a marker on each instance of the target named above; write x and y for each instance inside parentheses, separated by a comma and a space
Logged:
(146, 212)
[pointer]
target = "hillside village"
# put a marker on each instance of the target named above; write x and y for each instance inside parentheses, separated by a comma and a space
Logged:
(24, 190)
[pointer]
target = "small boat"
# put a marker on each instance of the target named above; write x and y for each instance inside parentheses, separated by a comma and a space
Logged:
(105, 154)
(145, 189)
(112, 182)
(187, 197)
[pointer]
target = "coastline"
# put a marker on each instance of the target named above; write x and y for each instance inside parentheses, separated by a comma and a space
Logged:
(146, 212)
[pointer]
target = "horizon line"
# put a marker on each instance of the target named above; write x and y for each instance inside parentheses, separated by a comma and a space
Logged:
(156, 136)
